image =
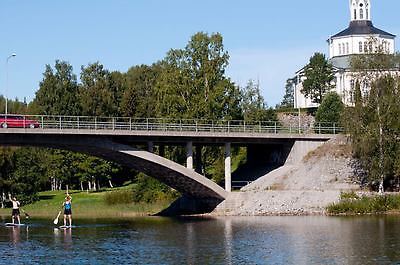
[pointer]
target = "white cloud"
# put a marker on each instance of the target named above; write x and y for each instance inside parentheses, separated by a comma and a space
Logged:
(270, 67)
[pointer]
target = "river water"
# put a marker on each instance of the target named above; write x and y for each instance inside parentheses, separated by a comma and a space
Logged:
(229, 240)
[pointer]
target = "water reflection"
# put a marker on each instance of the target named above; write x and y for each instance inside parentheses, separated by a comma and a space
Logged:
(228, 240)
(258, 240)
(63, 237)
(15, 235)
(67, 238)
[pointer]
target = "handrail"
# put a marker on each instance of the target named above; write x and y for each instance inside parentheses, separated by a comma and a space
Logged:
(170, 125)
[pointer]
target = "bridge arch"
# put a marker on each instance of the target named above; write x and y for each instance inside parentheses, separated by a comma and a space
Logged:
(184, 180)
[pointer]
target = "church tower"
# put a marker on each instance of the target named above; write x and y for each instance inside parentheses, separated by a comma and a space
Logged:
(356, 39)
(360, 37)
(360, 10)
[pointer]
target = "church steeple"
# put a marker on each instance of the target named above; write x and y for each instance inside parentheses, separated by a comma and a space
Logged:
(360, 10)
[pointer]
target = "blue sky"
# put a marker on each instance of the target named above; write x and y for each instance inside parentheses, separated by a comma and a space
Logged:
(267, 40)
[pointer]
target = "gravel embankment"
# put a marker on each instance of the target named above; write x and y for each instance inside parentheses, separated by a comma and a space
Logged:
(304, 188)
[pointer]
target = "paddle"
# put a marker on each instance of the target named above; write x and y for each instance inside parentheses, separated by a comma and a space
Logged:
(58, 215)
(26, 214)
(56, 220)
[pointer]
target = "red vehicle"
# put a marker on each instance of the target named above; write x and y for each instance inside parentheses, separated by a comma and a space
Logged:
(17, 121)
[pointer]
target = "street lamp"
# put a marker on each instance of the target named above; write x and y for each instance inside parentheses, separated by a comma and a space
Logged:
(8, 58)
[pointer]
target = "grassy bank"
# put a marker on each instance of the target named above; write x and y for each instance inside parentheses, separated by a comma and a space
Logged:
(87, 205)
(352, 204)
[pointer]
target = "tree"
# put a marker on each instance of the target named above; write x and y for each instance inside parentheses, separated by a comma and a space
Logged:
(319, 76)
(253, 105)
(97, 99)
(331, 109)
(288, 98)
(192, 82)
(376, 139)
(57, 94)
(139, 96)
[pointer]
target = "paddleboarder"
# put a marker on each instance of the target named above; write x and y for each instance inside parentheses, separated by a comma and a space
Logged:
(15, 209)
(67, 210)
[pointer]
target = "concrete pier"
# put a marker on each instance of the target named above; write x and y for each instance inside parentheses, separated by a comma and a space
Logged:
(228, 174)
(189, 155)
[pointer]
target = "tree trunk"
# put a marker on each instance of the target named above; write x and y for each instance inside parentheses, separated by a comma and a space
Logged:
(89, 185)
(111, 185)
(94, 185)
(2, 200)
(381, 155)
(81, 186)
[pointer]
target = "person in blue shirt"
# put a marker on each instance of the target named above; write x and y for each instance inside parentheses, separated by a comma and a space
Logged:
(67, 210)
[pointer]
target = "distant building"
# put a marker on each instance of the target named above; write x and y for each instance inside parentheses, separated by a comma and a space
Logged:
(356, 39)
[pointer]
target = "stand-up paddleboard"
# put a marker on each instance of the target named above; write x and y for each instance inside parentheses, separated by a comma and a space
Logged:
(66, 227)
(14, 225)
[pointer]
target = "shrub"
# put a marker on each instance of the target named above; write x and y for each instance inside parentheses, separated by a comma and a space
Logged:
(331, 109)
(349, 204)
(119, 197)
(349, 195)
(149, 190)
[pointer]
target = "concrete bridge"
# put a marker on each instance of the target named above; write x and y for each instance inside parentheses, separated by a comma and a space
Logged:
(113, 138)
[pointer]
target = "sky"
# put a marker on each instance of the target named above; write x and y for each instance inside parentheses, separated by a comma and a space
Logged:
(268, 41)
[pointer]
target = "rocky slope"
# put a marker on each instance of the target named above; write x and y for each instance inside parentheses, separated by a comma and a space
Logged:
(304, 187)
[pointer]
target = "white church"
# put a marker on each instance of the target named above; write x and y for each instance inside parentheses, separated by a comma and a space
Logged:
(356, 39)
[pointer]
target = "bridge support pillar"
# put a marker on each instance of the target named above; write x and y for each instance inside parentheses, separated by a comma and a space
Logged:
(228, 176)
(161, 150)
(199, 162)
(150, 147)
(189, 155)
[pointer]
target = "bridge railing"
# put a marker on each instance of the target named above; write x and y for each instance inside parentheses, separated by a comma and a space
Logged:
(176, 125)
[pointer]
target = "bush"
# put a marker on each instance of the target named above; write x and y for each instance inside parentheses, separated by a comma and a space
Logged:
(365, 205)
(330, 110)
(349, 195)
(149, 190)
(119, 197)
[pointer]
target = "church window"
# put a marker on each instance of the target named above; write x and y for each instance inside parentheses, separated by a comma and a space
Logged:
(370, 46)
(340, 48)
(361, 13)
(355, 14)
(367, 14)
(360, 44)
(365, 47)
(347, 48)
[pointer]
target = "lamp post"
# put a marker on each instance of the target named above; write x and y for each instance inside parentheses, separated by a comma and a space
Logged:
(8, 58)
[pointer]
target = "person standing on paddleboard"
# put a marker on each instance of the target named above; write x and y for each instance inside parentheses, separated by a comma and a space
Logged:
(67, 210)
(15, 210)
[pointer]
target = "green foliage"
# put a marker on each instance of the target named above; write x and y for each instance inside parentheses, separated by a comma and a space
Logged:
(373, 123)
(319, 77)
(149, 190)
(331, 109)
(253, 105)
(57, 94)
(288, 98)
(139, 97)
(21, 173)
(366, 205)
(192, 82)
(13, 106)
(349, 195)
(119, 197)
(97, 97)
